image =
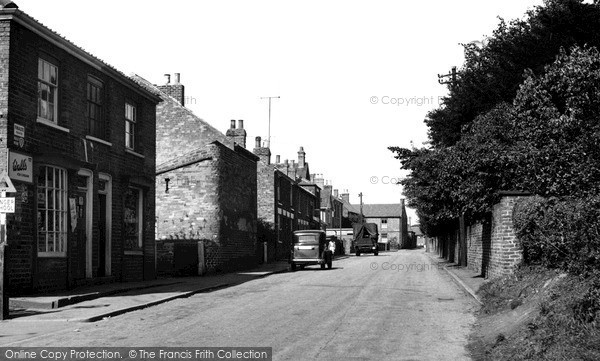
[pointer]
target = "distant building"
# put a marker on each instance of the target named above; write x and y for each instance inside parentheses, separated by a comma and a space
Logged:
(391, 220)
(205, 182)
(287, 199)
(79, 138)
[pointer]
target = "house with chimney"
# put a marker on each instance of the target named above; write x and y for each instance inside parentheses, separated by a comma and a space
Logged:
(205, 185)
(79, 146)
(287, 199)
(391, 221)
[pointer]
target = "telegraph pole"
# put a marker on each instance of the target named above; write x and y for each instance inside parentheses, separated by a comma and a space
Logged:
(269, 134)
(449, 78)
(361, 208)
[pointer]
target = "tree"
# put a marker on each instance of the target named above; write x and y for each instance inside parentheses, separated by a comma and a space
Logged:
(492, 74)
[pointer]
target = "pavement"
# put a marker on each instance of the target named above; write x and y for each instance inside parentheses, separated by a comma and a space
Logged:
(468, 279)
(94, 303)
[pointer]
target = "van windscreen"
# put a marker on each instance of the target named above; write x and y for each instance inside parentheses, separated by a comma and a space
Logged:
(308, 238)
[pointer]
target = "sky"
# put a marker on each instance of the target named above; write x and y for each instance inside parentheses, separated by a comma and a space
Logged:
(353, 77)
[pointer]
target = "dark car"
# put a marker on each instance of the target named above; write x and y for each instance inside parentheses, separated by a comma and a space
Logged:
(310, 248)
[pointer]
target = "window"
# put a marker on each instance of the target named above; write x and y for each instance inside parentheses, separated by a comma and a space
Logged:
(133, 219)
(384, 223)
(130, 118)
(52, 211)
(95, 111)
(47, 90)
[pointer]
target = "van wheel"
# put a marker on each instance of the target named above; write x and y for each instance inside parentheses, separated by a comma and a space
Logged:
(376, 253)
(292, 267)
(357, 253)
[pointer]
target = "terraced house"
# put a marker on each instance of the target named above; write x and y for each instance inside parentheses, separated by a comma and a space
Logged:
(80, 141)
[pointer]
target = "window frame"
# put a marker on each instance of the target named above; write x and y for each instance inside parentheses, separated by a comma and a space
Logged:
(61, 235)
(139, 220)
(130, 134)
(99, 105)
(47, 82)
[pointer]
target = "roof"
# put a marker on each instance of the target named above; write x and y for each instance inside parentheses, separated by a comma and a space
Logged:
(10, 11)
(381, 210)
(417, 229)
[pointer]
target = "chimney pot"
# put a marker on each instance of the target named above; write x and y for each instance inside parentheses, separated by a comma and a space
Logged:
(257, 142)
(232, 123)
(168, 76)
(335, 193)
(177, 78)
(241, 124)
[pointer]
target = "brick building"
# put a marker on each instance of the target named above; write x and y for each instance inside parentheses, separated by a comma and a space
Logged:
(205, 182)
(331, 203)
(391, 221)
(79, 137)
(287, 199)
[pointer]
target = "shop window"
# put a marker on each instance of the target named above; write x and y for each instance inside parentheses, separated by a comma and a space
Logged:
(52, 211)
(133, 219)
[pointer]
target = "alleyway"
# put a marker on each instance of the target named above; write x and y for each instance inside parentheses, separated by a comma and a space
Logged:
(396, 306)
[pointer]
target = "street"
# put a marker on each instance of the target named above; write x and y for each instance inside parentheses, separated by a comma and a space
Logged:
(395, 306)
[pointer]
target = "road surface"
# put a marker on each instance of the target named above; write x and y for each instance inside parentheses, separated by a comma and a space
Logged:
(395, 306)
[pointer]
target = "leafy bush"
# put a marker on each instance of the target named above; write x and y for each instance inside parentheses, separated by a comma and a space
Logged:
(560, 233)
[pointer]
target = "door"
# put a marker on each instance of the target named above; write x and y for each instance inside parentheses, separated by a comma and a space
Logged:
(102, 246)
(81, 235)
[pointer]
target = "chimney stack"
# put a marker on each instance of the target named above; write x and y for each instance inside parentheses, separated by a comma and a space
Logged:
(175, 90)
(262, 152)
(335, 193)
(301, 157)
(345, 196)
(238, 136)
(277, 159)
(319, 181)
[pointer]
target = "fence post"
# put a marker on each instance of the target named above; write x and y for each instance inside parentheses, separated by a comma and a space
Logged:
(201, 260)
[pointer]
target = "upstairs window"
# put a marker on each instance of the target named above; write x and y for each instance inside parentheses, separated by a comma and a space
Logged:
(384, 223)
(130, 119)
(95, 108)
(47, 90)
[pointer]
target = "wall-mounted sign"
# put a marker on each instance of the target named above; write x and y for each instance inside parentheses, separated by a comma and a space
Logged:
(19, 135)
(20, 167)
(7, 205)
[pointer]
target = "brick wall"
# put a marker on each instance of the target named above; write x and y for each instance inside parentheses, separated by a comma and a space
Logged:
(69, 146)
(237, 187)
(190, 208)
(180, 131)
(492, 246)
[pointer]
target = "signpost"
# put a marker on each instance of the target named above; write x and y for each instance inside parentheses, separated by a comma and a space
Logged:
(7, 205)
